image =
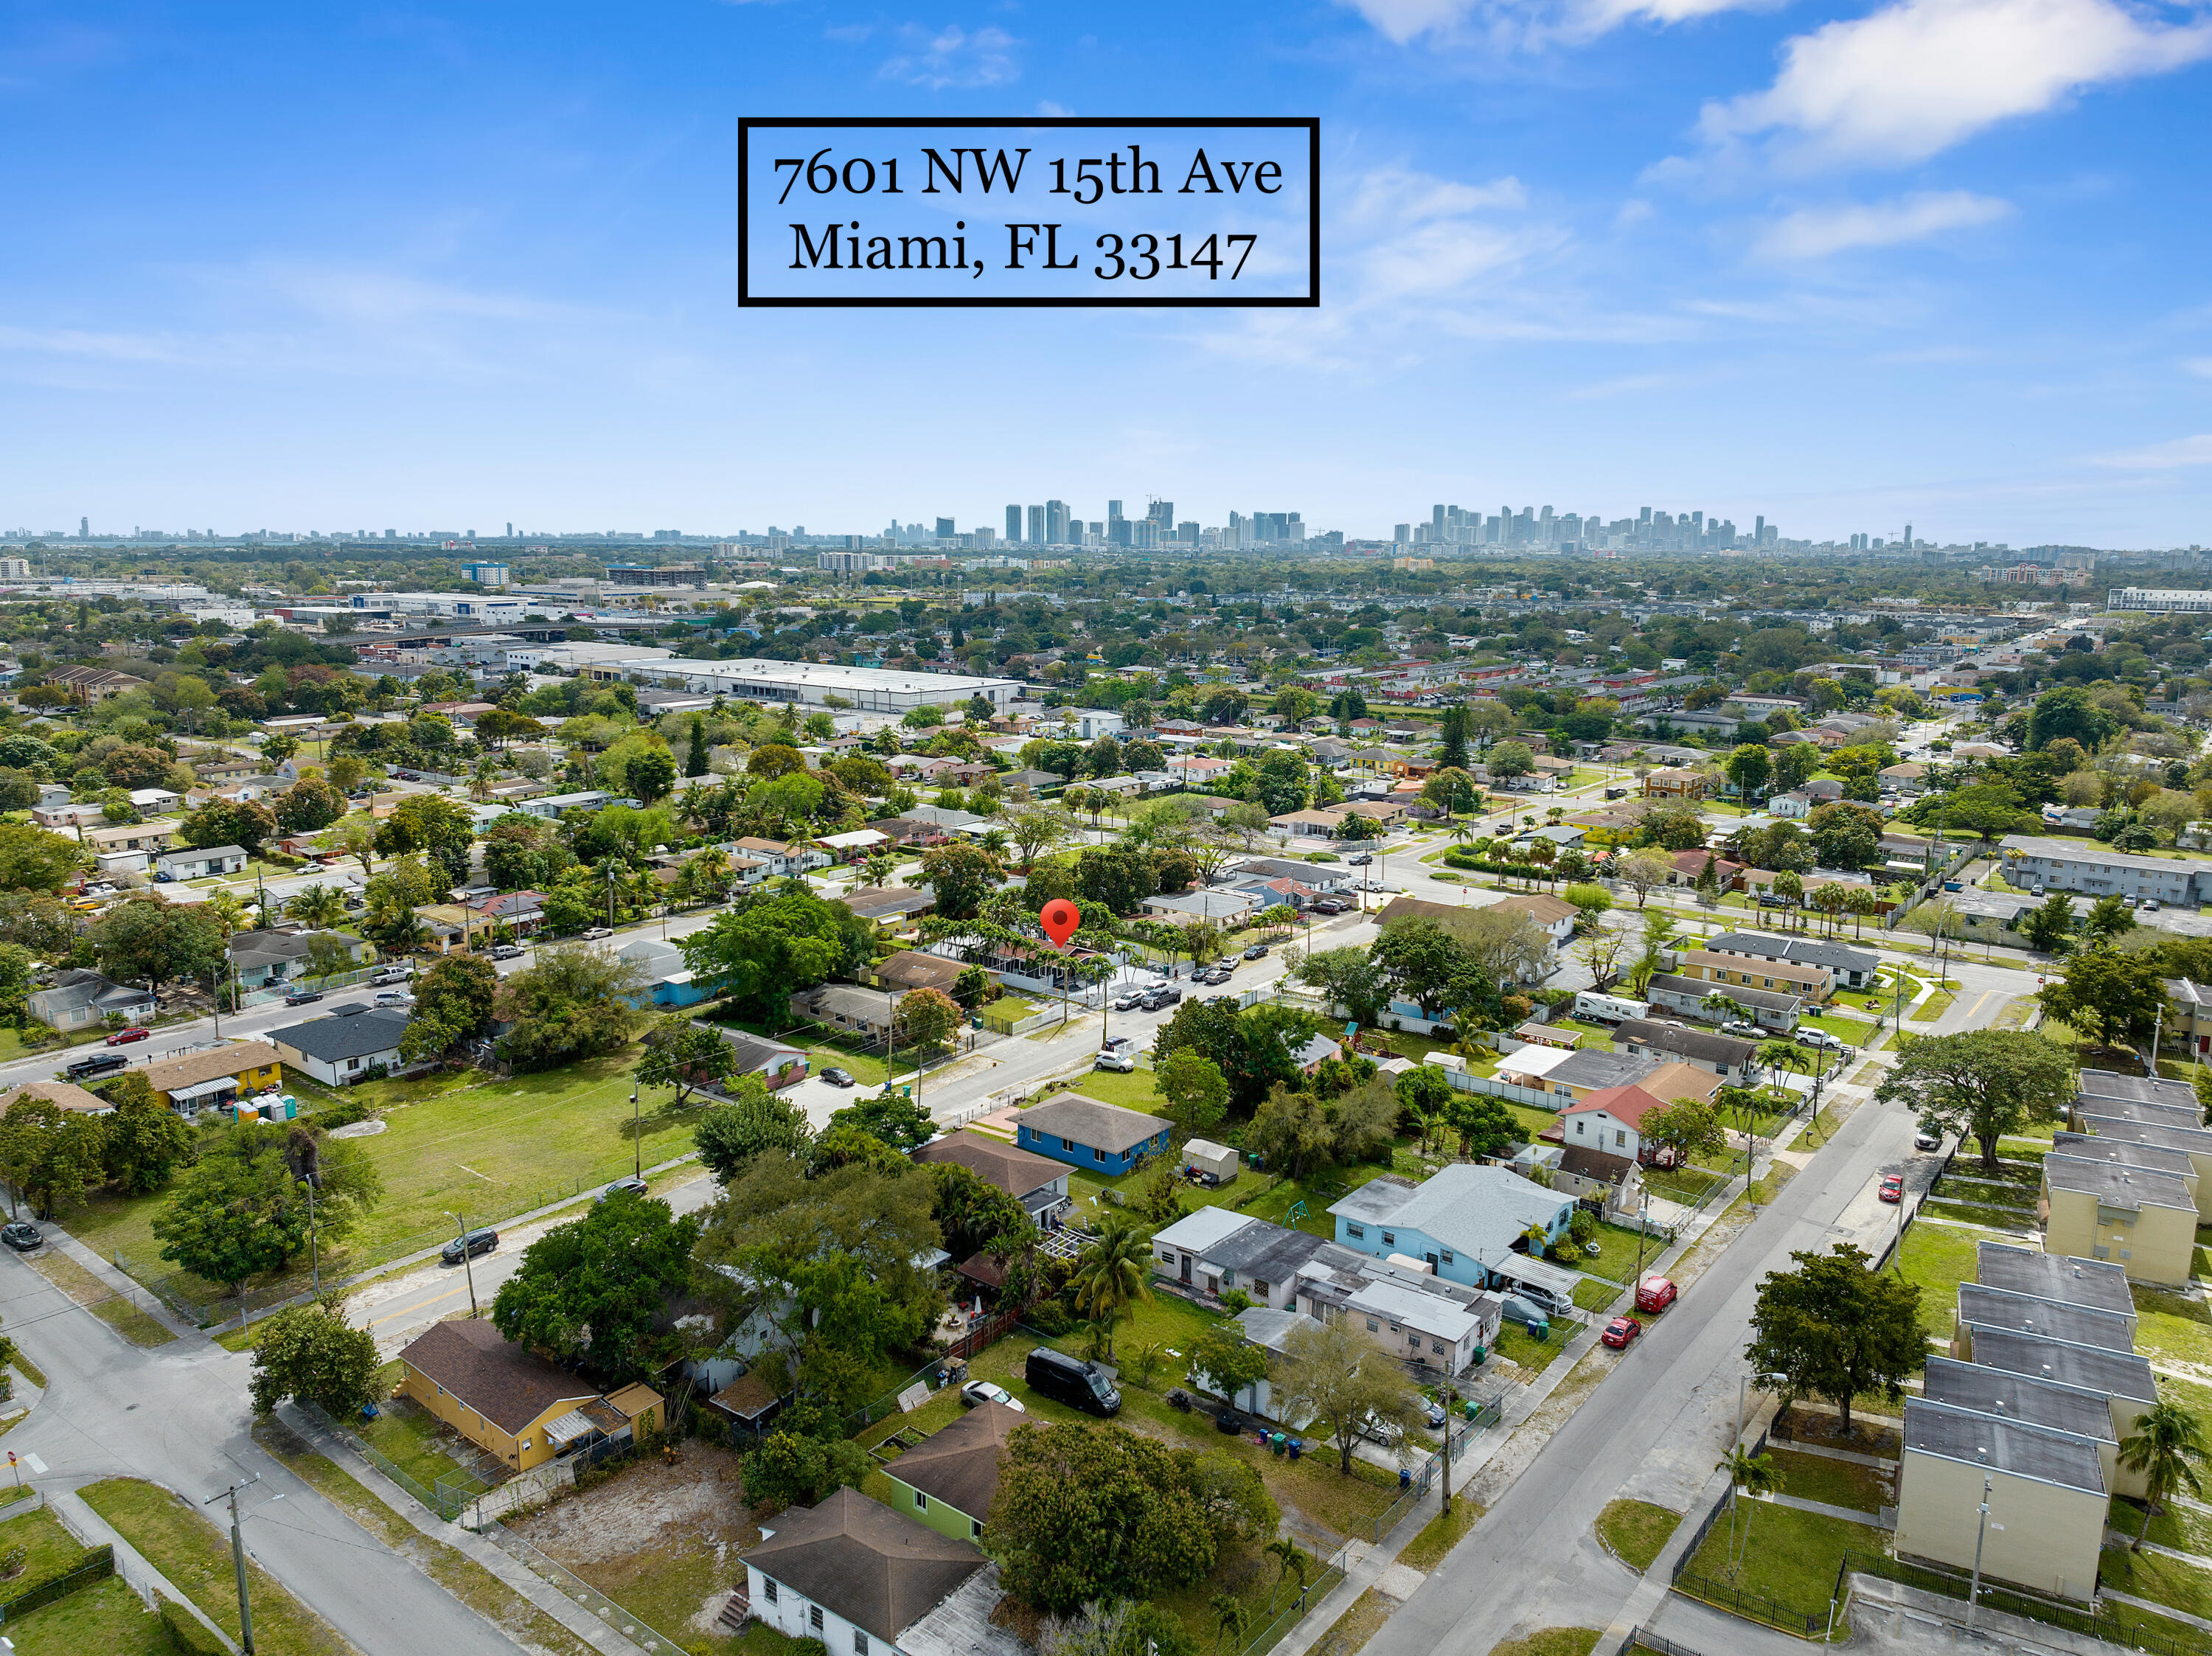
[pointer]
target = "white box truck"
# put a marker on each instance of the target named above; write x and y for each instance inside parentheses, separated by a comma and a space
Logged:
(1608, 1009)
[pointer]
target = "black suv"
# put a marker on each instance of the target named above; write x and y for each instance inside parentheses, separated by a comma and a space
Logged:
(476, 1242)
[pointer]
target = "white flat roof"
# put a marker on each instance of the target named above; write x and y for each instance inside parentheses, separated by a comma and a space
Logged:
(1202, 1228)
(827, 674)
(1534, 1060)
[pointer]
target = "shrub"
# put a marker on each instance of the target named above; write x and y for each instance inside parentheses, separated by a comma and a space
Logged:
(348, 1110)
(1051, 1317)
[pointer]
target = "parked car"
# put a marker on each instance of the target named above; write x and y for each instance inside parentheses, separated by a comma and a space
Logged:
(1064, 1380)
(1331, 906)
(593, 934)
(1361, 860)
(476, 1242)
(394, 997)
(632, 1186)
(1655, 1294)
(1530, 1315)
(1118, 1057)
(1745, 1031)
(22, 1235)
(1388, 1433)
(507, 951)
(976, 1393)
(837, 1078)
(1893, 1187)
(105, 1065)
(1820, 1038)
(1256, 952)
(302, 998)
(1619, 1332)
(390, 974)
(1128, 1000)
(1925, 1140)
(125, 1037)
(2150, 905)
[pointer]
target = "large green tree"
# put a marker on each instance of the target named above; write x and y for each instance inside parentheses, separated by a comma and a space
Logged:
(2050, 926)
(1096, 1513)
(1193, 1093)
(31, 860)
(2070, 711)
(51, 1154)
(242, 1208)
(765, 947)
(453, 1003)
(684, 1055)
(431, 823)
(1339, 1381)
(1981, 1083)
(570, 1003)
(1428, 965)
(1254, 1049)
(960, 877)
(591, 1290)
(2113, 996)
(1837, 1328)
(755, 1119)
(148, 940)
(310, 1353)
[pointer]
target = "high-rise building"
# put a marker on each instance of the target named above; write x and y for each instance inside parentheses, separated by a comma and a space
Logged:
(1036, 525)
(1908, 537)
(1161, 513)
(1013, 523)
(1055, 524)
(84, 528)
(1759, 529)
(1112, 510)
(1403, 535)
(945, 529)
(1186, 532)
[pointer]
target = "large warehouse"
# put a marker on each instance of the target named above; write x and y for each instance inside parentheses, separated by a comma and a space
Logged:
(870, 689)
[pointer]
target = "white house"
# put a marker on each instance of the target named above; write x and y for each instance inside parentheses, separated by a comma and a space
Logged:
(200, 863)
(344, 1046)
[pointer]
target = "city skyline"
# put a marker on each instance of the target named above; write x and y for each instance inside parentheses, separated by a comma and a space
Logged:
(1563, 246)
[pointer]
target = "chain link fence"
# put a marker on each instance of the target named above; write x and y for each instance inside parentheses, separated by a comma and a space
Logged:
(97, 1564)
(448, 1499)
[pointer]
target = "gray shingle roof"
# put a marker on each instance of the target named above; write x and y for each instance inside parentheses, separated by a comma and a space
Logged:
(342, 1035)
(1799, 951)
(1479, 1211)
(1593, 1066)
(1093, 1125)
(1703, 1045)
(1760, 1000)
(863, 1563)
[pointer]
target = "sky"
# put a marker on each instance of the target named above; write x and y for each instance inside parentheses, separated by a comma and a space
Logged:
(1848, 266)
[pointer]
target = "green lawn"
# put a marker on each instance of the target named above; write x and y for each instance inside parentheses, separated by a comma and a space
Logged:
(50, 1549)
(106, 1618)
(1637, 1531)
(1516, 1344)
(2161, 1580)
(1787, 1555)
(408, 1434)
(462, 1143)
(1441, 1534)
(1834, 1483)
(196, 1556)
(1618, 1262)
(2173, 1327)
(1939, 1257)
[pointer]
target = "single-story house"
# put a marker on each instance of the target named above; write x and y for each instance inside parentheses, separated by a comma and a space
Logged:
(1728, 1056)
(847, 1006)
(949, 1479)
(773, 1061)
(1470, 1222)
(1223, 907)
(849, 848)
(1686, 997)
(148, 837)
(890, 908)
(913, 968)
(262, 958)
(667, 976)
(190, 1082)
(200, 863)
(778, 858)
(1215, 1250)
(62, 1094)
(1316, 1052)
(864, 1578)
(1852, 968)
(1323, 877)
(344, 1046)
(1102, 1138)
(1308, 824)
(1039, 1185)
(79, 995)
(513, 1403)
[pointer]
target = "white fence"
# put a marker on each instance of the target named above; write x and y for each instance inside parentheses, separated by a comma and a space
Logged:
(1465, 1082)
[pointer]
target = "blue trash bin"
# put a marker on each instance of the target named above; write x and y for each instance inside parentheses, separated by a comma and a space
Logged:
(1405, 1478)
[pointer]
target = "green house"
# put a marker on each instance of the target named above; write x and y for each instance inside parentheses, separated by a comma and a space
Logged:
(949, 1480)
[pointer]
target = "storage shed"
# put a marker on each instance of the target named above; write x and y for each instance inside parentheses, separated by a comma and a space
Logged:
(1204, 1155)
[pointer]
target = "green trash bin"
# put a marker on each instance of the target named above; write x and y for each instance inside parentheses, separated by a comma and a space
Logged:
(1277, 1443)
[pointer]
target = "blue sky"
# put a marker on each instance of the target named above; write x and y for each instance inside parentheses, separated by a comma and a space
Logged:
(1850, 265)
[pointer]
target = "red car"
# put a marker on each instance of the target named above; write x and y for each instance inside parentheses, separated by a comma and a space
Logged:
(1893, 1187)
(1655, 1294)
(1620, 1330)
(125, 1037)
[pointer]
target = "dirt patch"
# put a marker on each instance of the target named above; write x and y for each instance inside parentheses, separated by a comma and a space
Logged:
(656, 1505)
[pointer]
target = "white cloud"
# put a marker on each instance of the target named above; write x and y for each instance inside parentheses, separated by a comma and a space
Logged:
(1046, 107)
(2163, 457)
(952, 56)
(1817, 231)
(1530, 22)
(2199, 366)
(1917, 77)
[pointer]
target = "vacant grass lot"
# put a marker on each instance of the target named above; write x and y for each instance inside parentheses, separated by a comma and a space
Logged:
(1834, 1483)
(461, 1143)
(2173, 1327)
(49, 1548)
(1789, 1557)
(1550, 1641)
(105, 1617)
(196, 1555)
(1637, 1531)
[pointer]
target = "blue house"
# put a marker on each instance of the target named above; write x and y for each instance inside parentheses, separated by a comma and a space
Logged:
(1101, 1138)
(667, 978)
(1462, 1221)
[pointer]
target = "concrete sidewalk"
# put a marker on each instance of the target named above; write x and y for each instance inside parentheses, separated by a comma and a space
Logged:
(89, 1527)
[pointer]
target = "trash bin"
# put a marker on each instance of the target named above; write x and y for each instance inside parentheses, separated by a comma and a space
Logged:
(1297, 1447)
(1470, 1409)
(1277, 1443)
(1405, 1478)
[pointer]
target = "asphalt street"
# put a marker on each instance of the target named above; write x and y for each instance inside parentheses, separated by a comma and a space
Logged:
(178, 1416)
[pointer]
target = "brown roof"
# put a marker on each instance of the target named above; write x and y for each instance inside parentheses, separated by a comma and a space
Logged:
(746, 1395)
(858, 1560)
(1415, 909)
(910, 969)
(188, 1068)
(1786, 971)
(1015, 1171)
(57, 1092)
(1546, 910)
(489, 1373)
(958, 1463)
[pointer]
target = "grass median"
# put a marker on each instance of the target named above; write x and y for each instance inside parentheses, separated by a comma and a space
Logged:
(137, 1326)
(195, 1554)
(1636, 1532)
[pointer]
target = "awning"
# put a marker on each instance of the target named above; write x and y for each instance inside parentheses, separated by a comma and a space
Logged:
(569, 1428)
(1540, 1273)
(221, 1087)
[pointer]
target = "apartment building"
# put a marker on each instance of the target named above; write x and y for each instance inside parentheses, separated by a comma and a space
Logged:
(2100, 871)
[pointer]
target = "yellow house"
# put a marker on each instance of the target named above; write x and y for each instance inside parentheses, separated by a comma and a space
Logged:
(513, 1403)
(193, 1081)
(2046, 1491)
(2144, 1222)
(1809, 983)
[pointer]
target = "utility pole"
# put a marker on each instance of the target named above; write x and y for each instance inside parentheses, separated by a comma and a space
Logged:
(1450, 1397)
(468, 1269)
(238, 1563)
(1974, 1591)
(636, 1140)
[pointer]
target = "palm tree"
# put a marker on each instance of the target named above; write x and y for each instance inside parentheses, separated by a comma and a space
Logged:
(1859, 902)
(1230, 1616)
(876, 867)
(316, 905)
(229, 908)
(481, 778)
(1546, 855)
(1756, 1473)
(1790, 888)
(2167, 1446)
(1112, 1273)
(1289, 1558)
(1464, 831)
(712, 868)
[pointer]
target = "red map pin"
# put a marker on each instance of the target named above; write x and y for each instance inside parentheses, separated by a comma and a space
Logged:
(1060, 917)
